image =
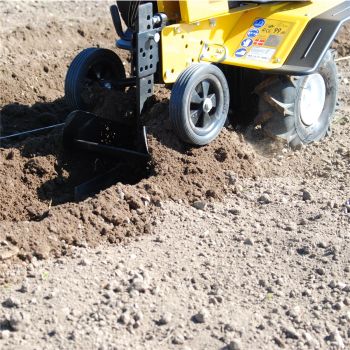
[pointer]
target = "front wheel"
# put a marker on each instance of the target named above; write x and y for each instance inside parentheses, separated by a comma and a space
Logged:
(299, 110)
(199, 104)
(92, 74)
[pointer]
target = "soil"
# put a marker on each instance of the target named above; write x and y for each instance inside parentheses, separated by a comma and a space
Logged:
(38, 176)
(224, 188)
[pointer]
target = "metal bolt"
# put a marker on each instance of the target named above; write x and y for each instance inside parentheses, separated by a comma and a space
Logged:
(156, 19)
(156, 37)
(168, 74)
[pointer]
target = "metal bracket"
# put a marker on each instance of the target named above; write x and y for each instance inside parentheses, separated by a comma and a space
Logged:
(147, 53)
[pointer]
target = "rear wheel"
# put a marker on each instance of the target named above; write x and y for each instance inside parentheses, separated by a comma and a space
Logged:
(92, 72)
(199, 104)
(299, 110)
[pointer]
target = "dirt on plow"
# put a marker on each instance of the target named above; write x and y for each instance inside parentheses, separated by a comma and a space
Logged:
(38, 214)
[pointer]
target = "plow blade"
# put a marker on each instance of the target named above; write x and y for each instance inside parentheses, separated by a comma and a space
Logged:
(88, 132)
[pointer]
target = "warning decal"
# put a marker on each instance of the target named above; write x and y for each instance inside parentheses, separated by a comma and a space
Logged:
(273, 40)
(261, 54)
(259, 42)
(262, 40)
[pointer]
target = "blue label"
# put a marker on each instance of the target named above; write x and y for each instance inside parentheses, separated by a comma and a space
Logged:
(253, 33)
(259, 23)
(247, 42)
(240, 53)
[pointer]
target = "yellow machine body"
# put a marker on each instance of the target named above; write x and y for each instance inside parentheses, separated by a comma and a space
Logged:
(256, 36)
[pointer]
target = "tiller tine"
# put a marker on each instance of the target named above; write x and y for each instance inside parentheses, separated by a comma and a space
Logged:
(86, 131)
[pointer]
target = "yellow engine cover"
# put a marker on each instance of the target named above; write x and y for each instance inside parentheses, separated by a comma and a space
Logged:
(257, 36)
(194, 10)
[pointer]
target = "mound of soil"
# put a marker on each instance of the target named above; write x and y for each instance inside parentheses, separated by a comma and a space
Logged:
(39, 216)
(196, 173)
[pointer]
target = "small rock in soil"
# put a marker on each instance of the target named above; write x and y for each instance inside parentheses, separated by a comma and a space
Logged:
(8, 252)
(11, 302)
(84, 262)
(178, 339)
(290, 333)
(320, 271)
(201, 317)
(165, 319)
(306, 195)
(200, 205)
(264, 199)
(17, 320)
(337, 339)
(234, 344)
(248, 241)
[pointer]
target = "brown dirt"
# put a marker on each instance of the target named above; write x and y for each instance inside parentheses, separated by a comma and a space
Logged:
(341, 43)
(37, 180)
(37, 213)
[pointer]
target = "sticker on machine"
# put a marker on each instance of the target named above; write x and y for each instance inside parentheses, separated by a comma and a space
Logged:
(273, 40)
(252, 33)
(240, 53)
(259, 23)
(247, 42)
(260, 54)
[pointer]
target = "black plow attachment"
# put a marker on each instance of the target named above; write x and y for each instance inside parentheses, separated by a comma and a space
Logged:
(98, 75)
(88, 132)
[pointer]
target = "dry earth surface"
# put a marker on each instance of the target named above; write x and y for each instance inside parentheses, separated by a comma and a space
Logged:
(243, 244)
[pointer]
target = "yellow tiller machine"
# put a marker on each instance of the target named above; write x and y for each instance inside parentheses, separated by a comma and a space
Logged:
(267, 62)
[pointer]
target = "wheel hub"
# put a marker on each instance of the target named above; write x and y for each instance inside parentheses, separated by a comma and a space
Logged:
(207, 105)
(313, 98)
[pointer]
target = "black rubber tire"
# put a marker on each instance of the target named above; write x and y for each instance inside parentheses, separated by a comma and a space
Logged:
(279, 106)
(129, 11)
(73, 124)
(180, 103)
(80, 69)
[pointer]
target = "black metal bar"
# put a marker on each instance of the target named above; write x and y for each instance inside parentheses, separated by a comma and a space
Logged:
(116, 21)
(111, 150)
(125, 82)
(28, 132)
(96, 184)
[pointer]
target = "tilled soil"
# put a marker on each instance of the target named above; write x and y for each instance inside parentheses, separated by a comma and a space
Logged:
(249, 189)
(38, 214)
